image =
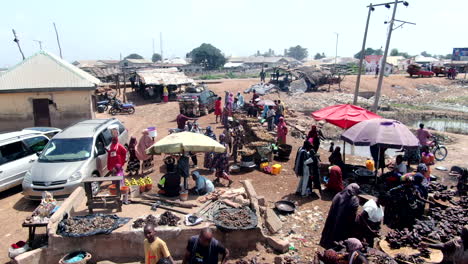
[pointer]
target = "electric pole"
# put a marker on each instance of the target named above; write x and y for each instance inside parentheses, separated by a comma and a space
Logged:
(58, 41)
(336, 49)
(17, 43)
(153, 48)
(361, 59)
(39, 42)
(161, 46)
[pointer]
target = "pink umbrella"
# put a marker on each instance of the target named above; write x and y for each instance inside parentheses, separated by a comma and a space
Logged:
(266, 102)
(385, 133)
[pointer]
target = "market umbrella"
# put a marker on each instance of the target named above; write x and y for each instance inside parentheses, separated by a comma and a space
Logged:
(344, 115)
(185, 142)
(385, 133)
(266, 102)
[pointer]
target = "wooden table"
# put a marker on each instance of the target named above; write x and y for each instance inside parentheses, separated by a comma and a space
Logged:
(107, 202)
(32, 228)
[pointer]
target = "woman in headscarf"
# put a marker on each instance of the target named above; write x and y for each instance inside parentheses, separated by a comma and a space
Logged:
(133, 165)
(230, 102)
(341, 216)
(301, 169)
(336, 158)
(354, 247)
(314, 135)
(116, 155)
(368, 221)
(145, 142)
(218, 111)
(225, 116)
(165, 94)
(335, 180)
(240, 101)
(282, 131)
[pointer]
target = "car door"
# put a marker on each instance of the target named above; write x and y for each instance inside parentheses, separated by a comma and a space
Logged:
(15, 161)
(101, 155)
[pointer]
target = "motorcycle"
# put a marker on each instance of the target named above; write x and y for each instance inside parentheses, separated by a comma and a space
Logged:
(440, 151)
(103, 105)
(119, 107)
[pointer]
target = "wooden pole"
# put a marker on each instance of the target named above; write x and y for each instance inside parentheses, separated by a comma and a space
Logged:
(17, 43)
(124, 97)
(58, 41)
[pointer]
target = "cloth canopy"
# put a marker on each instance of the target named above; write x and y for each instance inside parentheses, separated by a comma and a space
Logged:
(344, 115)
(266, 102)
(385, 133)
(185, 142)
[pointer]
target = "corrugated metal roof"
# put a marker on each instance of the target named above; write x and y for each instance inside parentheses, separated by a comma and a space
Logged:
(103, 72)
(144, 61)
(45, 70)
(169, 76)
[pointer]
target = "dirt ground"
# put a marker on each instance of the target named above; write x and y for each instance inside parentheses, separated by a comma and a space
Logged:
(306, 225)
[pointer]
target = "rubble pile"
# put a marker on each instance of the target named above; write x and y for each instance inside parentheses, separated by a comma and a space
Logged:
(86, 225)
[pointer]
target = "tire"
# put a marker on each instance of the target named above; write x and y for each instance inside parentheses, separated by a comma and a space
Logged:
(95, 186)
(131, 110)
(440, 153)
(113, 111)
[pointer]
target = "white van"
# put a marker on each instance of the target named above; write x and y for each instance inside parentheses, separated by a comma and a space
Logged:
(17, 154)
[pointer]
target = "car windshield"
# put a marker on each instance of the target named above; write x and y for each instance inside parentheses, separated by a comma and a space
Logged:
(67, 149)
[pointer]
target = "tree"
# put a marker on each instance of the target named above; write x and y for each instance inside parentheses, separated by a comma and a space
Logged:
(298, 52)
(134, 56)
(369, 51)
(156, 57)
(319, 56)
(394, 52)
(378, 52)
(425, 54)
(208, 56)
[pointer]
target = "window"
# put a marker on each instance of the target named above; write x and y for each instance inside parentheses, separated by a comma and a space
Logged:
(36, 144)
(121, 128)
(107, 136)
(12, 152)
(67, 149)
(100, 146)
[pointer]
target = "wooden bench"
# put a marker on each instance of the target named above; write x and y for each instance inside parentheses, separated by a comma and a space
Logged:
(106, 202)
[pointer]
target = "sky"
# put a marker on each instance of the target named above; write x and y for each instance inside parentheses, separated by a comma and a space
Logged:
(104, 29)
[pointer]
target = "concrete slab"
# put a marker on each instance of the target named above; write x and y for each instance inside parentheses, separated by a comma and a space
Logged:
(272, 221)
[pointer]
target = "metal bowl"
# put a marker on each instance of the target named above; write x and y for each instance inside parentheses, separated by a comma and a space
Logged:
(285, 207)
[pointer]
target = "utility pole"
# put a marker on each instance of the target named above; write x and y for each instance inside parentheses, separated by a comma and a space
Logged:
(361, 59)
(58, 41)
(336, 49)
(40, 43)
(384, 61)
(161, 46)
(153, 47)
(17, 43)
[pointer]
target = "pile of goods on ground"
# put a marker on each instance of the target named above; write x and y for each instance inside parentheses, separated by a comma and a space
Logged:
(235, 219)
(80, 226)
(167, 218)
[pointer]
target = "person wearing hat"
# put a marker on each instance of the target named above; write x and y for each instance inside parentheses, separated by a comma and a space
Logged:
(202, 184)
(354, 247)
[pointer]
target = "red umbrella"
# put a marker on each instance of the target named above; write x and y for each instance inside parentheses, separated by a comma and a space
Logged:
(344, 115)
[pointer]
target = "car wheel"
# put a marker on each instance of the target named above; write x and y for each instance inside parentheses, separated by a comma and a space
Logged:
(95, 186)
(131, 110)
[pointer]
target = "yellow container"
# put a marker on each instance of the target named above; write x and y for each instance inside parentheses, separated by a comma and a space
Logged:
(263, 165)
(370, 165)
(276, 169)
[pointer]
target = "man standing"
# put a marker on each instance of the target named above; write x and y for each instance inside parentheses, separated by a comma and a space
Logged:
(262, 76)
(181, 120)
(423, 136)
(155, 248)
(204, 249)
(377, 71)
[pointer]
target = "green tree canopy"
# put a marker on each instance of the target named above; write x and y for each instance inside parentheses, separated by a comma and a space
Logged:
(298, 52)
(425, 54)
(208, 56)
(369, 51)
(156, 57)
(134, 56)
(319, 56)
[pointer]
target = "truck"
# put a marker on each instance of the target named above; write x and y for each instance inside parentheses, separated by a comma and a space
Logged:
(415, 69)
(197, 101)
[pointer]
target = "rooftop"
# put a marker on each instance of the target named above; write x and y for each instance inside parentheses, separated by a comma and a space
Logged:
(44, 71)
(139, 61)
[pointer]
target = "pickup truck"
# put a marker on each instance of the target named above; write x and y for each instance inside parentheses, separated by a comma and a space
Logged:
(197, 101)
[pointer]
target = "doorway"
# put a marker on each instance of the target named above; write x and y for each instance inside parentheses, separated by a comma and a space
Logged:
(41, 112)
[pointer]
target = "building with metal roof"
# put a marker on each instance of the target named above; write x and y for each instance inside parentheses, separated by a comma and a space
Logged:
(45, 90)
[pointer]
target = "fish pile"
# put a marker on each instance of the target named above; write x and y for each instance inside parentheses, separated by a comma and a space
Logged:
(234, 219)
(86, 225)
(168, 218)
(140, 222)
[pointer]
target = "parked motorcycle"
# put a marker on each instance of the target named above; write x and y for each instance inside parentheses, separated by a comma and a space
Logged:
(440, 151)
(119, 107)
(103, 105)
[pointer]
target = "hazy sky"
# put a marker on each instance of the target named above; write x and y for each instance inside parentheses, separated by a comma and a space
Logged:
(102, 29)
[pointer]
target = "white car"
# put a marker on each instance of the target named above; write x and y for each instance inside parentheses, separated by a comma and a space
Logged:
(18, 151)
(49, 132)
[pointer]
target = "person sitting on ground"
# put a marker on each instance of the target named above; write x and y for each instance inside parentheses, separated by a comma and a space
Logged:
(455, 251)
(335, 180)
(204, 249)
(155, 248)
(354, 246)
(400, 167)
(169, 184)
(202, 184)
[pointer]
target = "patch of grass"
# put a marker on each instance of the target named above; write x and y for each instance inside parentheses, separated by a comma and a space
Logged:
(463, 100)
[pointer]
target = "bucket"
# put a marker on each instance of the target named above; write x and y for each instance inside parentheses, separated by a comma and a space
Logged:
(86, 256)
(125, 189)
(113, 189)
(183, 196)
(134, 191)
(148, 187)
(142, 188)
(276, 169)
(152, 132)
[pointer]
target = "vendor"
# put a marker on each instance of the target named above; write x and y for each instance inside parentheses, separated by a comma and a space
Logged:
(335, 180)
(169, 184)
(181, 120)
(202, 184)
(369, 220)
(455, 251)
(354, 247)
(116, 154)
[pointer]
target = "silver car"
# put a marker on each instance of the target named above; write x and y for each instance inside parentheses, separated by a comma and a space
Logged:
(75, 153)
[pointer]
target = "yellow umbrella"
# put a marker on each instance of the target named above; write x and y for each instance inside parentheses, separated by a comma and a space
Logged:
(185, 142)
